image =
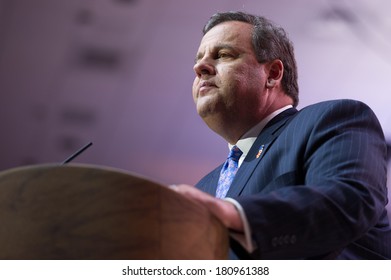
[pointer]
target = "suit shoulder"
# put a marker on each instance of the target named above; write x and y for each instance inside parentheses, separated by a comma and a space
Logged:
(337, 103)
(339, 107)
(339, 113)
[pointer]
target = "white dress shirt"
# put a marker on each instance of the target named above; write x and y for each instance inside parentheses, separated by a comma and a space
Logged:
(244, 144)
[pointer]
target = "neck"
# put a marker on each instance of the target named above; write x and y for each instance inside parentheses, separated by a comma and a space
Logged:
(231, 130)
(234, 126)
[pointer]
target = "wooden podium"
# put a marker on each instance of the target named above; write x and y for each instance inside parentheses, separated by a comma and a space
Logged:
(90, 212)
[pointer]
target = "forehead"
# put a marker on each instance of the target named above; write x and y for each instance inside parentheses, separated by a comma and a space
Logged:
(234, 33)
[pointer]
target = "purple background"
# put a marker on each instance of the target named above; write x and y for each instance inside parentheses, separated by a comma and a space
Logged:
(119, 73)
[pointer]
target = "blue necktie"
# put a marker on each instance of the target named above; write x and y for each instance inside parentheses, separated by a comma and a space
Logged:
(228, 172)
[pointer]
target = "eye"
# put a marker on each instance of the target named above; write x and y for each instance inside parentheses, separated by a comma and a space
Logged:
(224, 55)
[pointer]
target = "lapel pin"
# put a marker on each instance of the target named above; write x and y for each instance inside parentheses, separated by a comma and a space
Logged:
(260, 151)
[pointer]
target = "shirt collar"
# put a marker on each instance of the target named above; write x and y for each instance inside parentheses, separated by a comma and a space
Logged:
(247, 140)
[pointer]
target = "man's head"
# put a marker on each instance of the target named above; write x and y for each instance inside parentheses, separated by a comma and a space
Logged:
(269, 42)
(236, 84)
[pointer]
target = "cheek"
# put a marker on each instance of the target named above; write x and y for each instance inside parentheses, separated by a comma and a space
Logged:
(231, 79)
(252, 80)
(237, 83)
(236, 75)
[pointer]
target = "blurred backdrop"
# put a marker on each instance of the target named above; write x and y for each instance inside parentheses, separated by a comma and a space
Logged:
(119, 73)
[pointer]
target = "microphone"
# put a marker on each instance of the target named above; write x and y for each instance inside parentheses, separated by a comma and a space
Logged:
(78, 152)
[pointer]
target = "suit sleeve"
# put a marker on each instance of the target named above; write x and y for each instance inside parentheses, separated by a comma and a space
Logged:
(342, 190)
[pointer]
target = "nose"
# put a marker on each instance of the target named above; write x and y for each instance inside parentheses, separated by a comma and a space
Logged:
(204, 67)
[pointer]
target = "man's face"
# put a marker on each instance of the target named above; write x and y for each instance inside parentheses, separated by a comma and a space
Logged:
(229, 81)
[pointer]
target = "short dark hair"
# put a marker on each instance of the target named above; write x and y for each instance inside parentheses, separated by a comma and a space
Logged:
(270, 42)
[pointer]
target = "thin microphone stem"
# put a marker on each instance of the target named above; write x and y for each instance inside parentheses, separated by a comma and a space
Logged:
(77, 153)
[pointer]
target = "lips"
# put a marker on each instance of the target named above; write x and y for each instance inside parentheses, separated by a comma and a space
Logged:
(206, 86)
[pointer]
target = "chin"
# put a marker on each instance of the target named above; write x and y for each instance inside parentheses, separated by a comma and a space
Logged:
(203, 113)
(204, 107)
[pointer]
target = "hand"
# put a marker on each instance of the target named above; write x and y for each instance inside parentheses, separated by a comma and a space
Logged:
(223, 210)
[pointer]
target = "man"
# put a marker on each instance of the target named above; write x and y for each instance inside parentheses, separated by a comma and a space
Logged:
(309, 184)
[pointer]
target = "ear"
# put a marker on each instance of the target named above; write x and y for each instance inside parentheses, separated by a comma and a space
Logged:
(276, 71)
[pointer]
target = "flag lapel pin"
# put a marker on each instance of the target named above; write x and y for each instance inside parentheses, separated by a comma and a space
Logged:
(260, 151)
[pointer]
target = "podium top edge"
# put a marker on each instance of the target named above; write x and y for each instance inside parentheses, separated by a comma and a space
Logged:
(76, 166)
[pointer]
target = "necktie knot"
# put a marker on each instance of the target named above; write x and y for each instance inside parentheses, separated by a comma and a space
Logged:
(235, 153)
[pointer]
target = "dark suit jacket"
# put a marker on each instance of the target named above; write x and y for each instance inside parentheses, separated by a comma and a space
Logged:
(314, 185)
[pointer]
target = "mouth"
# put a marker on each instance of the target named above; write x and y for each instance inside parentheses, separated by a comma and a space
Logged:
(205, 86)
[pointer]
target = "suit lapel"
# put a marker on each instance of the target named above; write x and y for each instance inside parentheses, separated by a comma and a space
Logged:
(209, 183)
(260, 147)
